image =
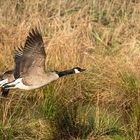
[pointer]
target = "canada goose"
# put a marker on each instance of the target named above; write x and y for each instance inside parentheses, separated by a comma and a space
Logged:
(10, 75)
(31, 71)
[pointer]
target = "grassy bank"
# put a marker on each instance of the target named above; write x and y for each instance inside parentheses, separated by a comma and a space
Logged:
(102, 103)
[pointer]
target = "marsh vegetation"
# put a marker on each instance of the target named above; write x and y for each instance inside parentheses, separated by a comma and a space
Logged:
(102, 103)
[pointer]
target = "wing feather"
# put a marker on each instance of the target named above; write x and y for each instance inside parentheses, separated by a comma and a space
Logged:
(18, 58)
(33, 53)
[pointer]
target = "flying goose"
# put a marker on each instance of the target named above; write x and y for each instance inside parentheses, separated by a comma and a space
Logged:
(30, 72)
(10, 75)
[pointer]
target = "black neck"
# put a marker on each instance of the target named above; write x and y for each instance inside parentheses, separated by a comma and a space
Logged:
(65, 72)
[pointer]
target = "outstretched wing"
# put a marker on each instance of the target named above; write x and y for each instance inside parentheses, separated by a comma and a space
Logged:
(16, 72)
(34, 55)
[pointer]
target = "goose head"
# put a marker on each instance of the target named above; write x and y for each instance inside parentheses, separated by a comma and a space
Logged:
(78, 69)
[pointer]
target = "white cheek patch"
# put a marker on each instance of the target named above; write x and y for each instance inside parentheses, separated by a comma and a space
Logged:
(3, 82)
(76, 71)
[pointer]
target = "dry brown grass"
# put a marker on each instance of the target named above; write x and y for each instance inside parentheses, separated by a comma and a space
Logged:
(101, 36)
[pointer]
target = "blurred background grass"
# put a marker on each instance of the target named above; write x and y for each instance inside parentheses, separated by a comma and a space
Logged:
(102, 103)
